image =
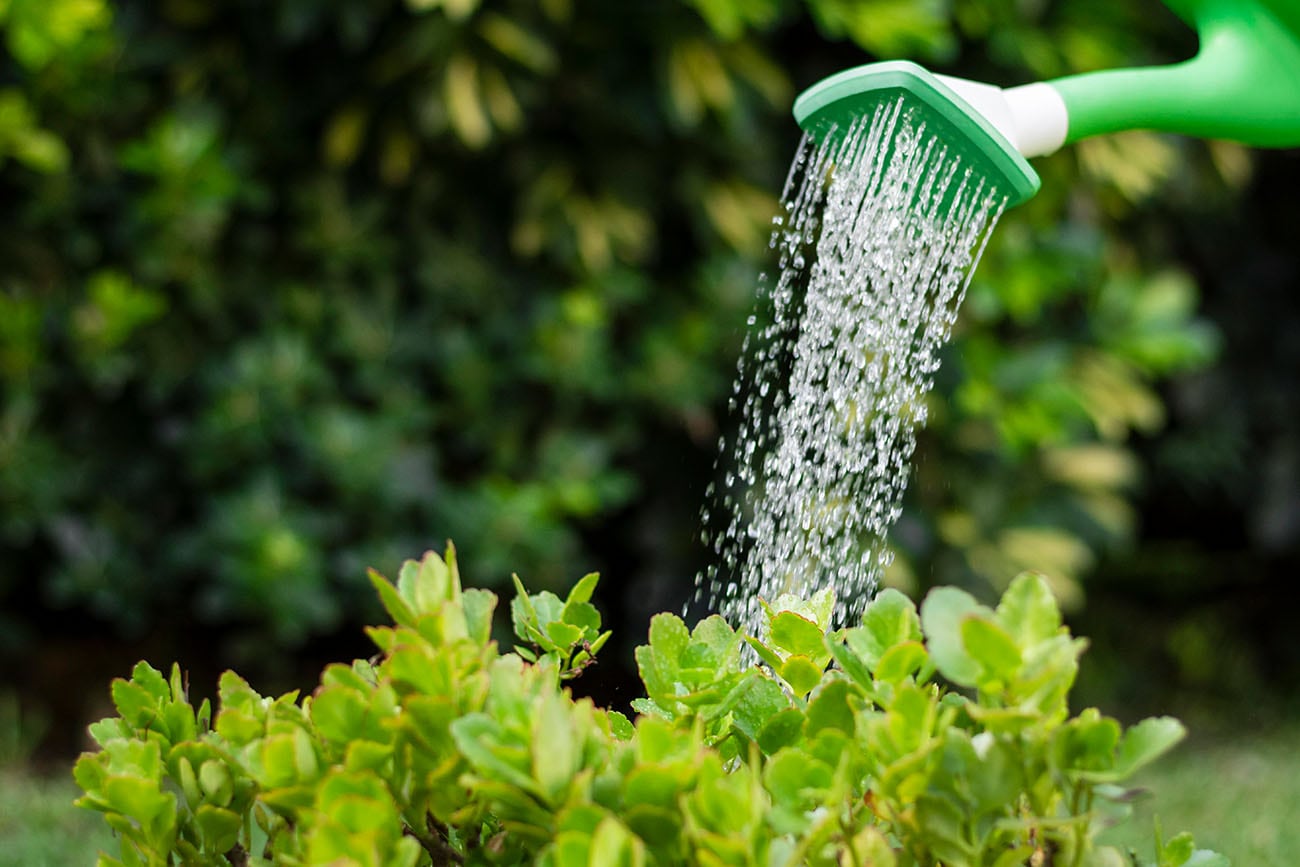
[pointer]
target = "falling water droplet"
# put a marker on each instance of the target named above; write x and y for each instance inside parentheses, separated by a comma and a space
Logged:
(817, 470)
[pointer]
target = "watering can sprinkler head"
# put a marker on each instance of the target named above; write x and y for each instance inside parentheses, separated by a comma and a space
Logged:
(1243, 85)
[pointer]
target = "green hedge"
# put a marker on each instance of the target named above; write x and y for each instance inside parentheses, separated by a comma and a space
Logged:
(291, 288)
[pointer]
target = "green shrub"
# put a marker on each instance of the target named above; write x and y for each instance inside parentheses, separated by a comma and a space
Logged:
(839, 749)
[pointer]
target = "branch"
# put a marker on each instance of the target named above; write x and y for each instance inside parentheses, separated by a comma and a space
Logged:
(435, 843)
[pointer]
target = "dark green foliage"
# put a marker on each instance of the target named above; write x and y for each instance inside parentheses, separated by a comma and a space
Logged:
(291, 287)
(441, 750)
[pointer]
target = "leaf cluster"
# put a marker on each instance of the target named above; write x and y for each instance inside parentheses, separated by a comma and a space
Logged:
(835, 748)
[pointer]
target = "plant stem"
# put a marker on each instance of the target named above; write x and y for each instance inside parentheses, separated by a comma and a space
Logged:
(434, 841)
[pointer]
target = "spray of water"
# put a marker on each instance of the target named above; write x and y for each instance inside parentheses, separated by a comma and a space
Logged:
(881, 230)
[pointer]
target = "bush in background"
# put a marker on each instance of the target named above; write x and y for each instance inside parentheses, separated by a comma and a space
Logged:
(292, 288)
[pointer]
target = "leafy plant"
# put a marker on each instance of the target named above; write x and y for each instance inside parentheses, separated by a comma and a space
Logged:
(838, 749)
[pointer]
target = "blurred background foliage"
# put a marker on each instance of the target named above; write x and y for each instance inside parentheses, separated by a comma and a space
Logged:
(290, 289)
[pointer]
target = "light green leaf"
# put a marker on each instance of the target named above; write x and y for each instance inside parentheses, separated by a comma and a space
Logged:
(479, 606)
(890, 619)
(761, 700)
(620, 726)
(714, 644)
(851, 664)
(1029, 611)
(582, 591)
(562, 634)
(901, 661)
(613, 845)
(801, 673)
(793, 777)
(829, 707)
(582, 615)
(220, 827)
(555, 746)
(478, 736)
(781, 730)
(765, 653)
(1146, 742)
(993, 648)
(942, 614)
(1087, 743)
(795, 634)
(1176, 852)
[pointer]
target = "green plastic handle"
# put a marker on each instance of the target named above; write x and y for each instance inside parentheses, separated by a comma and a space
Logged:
(1243, 85)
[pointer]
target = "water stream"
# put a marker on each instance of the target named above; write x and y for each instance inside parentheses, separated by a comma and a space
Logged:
(880, 231)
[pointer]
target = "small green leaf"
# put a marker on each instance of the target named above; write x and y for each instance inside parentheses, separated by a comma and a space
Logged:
(942, 614)
(901, 661)
(620, 726)
(658, 662)
(134, 704)
(943, 825)
(1028, 610)
(661, 825)
(765, 653)
(1087, 743)
(582, 615)
(549, 607)
(1146, 742)
(829, 708)
(669, 635)
(801, 673)
(479, 606)
(1176, 852)
(781, 730)
(425, 584)
(563, 634)
(714, 644)
(613, 845)
(151, 680)
(653, 785)
(217, 784)
(189, 782)
(396, 606)
(556, 746)
(582, 591)
(993, 648)
(795, 634)
(522, 613)
(793, 777)
(762, 699)
(889, 620)
(220, 827)
(477, 735)
(852, 664)
(339, 713)
(870, 846)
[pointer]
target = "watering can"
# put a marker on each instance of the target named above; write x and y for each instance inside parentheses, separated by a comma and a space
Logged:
(1243, 85)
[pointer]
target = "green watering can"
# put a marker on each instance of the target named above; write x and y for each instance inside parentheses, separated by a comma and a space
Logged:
(1243, 85)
